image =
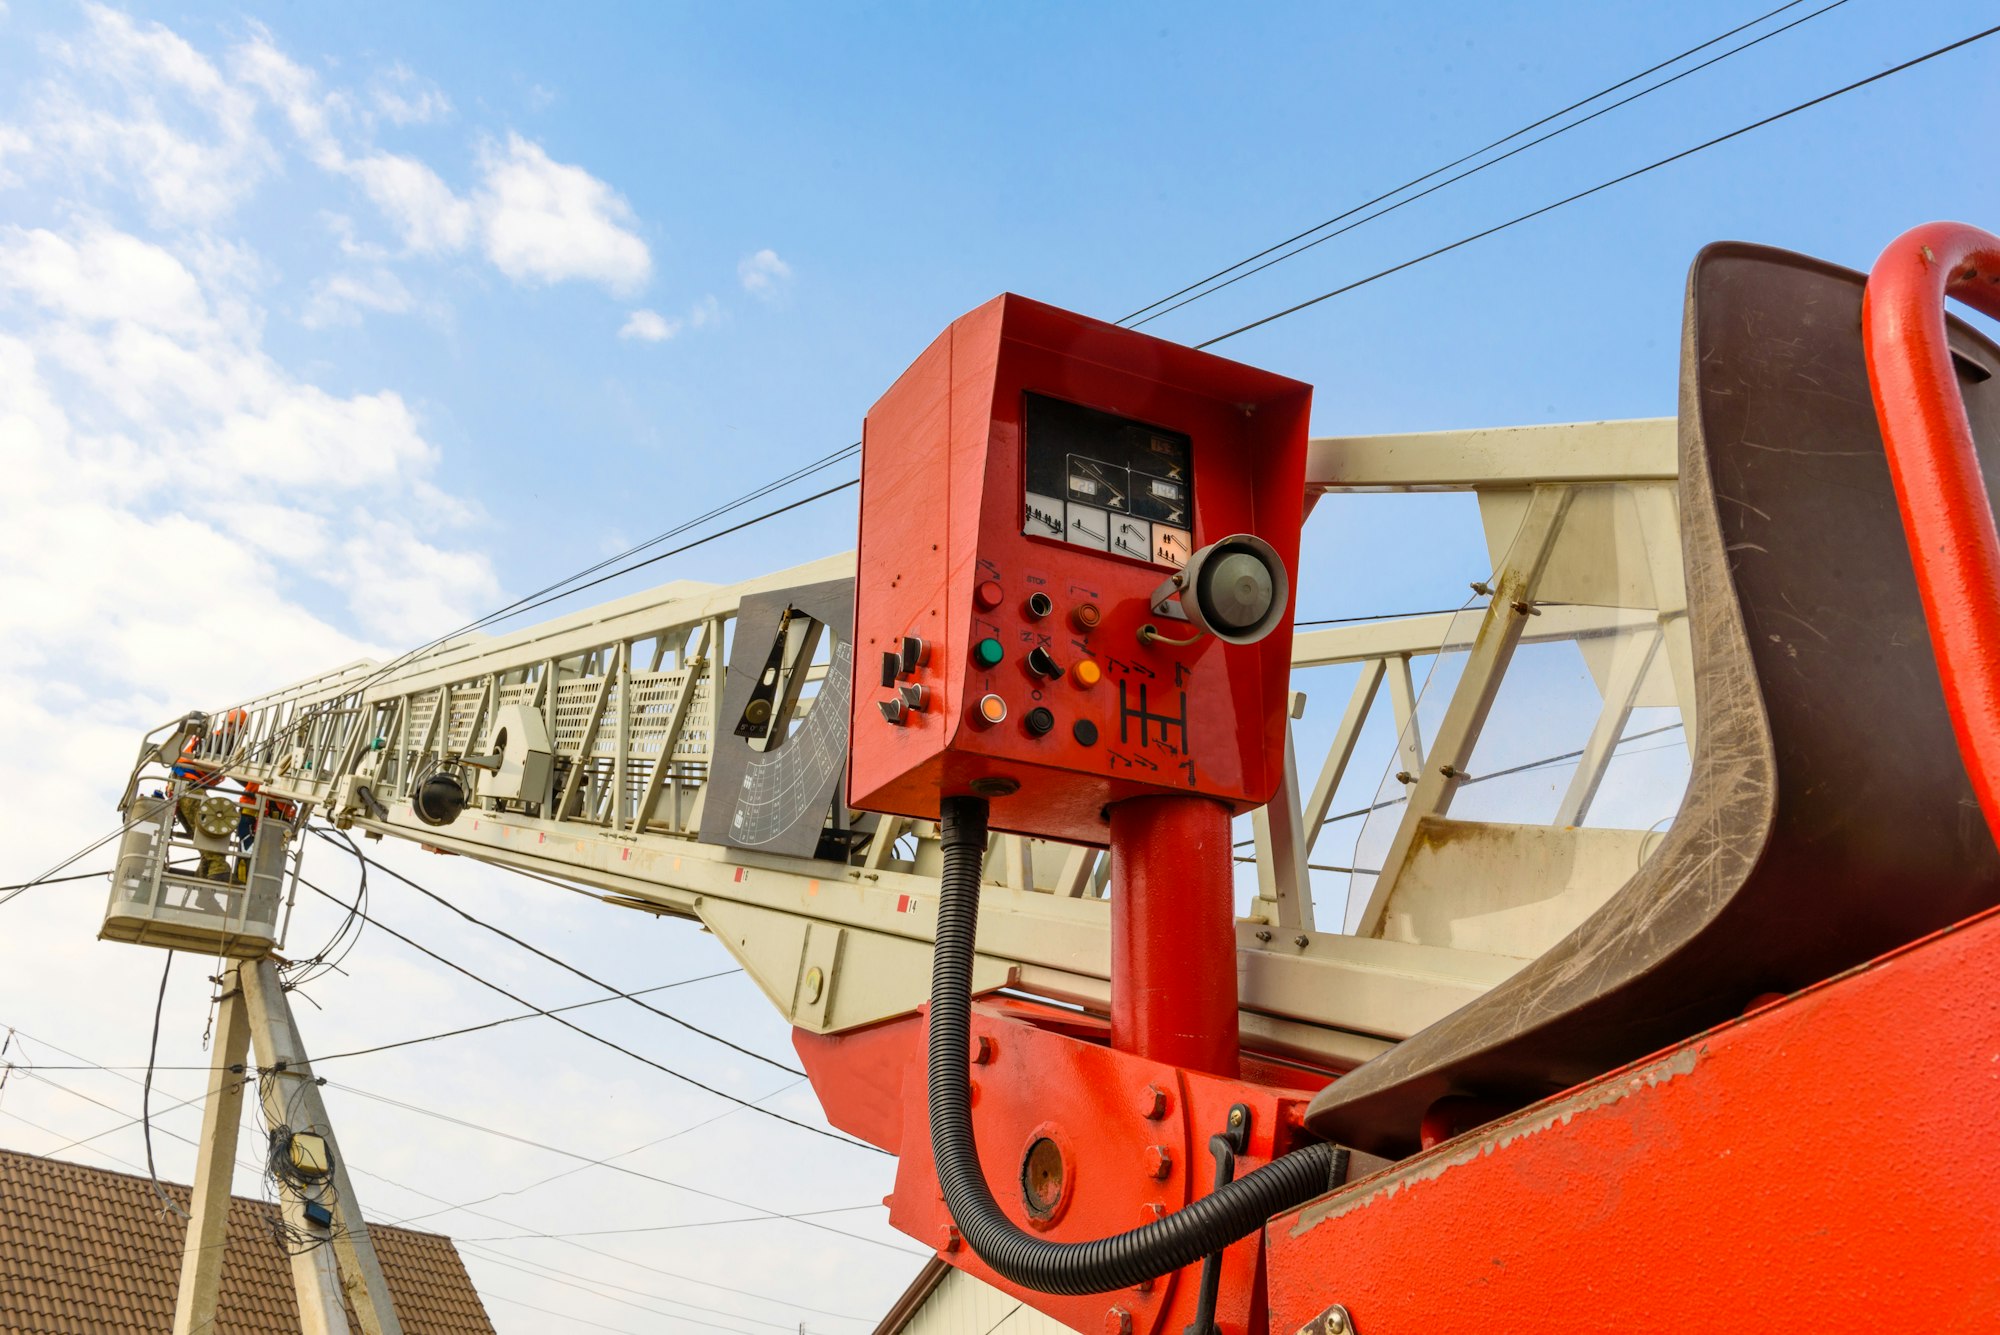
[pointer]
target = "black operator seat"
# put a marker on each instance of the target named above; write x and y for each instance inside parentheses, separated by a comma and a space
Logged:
(1827, 817)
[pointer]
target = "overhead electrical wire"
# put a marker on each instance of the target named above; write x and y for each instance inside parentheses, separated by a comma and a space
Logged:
(587, 1165)
(146, 1093)
(1556, 133)
(559, 589)
(525, 1015)
(594, 1037)
(424, 1038)
(1636, 172)
(1487, 148)
(36, 1073)
(469, 1125)
(617, 992)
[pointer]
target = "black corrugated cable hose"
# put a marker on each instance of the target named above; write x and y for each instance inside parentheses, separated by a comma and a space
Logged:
(1118, 1262)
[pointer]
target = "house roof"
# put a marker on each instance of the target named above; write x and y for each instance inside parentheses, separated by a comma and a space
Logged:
(84, 1251)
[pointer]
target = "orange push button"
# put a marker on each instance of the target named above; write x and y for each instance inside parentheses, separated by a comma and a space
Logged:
(992, 709)
(1086, 673)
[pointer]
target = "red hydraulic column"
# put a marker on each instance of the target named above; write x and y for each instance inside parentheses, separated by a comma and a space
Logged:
(1173, 933)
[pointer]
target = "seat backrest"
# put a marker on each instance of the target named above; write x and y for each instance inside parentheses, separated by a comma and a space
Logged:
(1828, 818)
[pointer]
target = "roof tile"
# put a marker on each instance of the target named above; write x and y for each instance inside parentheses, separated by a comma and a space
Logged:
(86, 1250)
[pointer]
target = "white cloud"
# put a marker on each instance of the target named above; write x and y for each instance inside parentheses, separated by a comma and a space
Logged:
(342, 298)
(402, 97)
(544, 221)
(763, 273)
(102, 275)
(148, 110)
(145, 387)
(650, 326)
(430, 217)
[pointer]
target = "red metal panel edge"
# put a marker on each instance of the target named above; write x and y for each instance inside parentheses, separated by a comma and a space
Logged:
(1828, 1161)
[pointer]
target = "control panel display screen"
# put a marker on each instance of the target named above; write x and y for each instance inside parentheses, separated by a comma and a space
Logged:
(1107, 483)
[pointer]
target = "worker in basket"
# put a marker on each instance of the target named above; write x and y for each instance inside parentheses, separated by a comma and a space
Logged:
(247, 820)
(192, 781)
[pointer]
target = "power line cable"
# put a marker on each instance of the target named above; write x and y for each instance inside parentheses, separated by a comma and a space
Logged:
(1435, 171)
(1604, 185)
(549, 593)
(35, 1073)
(617, 992)
(541, 1182)
(594, 1037)
(146, 1093)
(525, 1015)
(597, 1162)
(1496, 161)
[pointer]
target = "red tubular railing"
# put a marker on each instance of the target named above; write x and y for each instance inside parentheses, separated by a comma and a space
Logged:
(1947, 515)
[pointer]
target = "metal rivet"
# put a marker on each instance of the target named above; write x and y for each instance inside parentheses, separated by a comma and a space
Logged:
(815, 981)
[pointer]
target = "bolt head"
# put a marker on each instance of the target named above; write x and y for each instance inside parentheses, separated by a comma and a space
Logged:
(1117, 1321)
(949, 1240)
(982, 1050)
(1153, 1103)
(1159, 1162)
(1336, 1321)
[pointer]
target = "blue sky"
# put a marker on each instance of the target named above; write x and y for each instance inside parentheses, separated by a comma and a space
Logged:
(325, 327)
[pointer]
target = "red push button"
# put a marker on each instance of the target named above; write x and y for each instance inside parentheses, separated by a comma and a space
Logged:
(989, 595)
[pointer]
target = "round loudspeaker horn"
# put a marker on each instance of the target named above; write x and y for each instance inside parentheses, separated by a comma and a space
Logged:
(1236, 589)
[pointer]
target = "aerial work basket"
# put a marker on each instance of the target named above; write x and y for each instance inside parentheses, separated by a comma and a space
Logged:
(201, 871)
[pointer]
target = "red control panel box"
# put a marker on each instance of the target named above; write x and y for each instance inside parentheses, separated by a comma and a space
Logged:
(1031, 489)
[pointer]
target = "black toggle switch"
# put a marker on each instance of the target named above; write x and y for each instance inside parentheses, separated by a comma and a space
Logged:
(1043, 663)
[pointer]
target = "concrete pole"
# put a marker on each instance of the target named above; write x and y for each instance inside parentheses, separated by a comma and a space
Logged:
(215, 1166)
(291, 1097)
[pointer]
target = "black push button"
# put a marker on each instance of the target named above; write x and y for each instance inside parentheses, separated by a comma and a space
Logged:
(1040, 722)
(1084, 731)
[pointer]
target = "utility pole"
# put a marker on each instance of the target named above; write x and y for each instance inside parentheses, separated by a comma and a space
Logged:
(339, 1273)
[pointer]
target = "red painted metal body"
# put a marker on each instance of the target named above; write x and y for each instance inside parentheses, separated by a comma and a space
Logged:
(943, 477)
(1760, 1177)
(1134, 1134)
(1946, 511)
(1173, 934)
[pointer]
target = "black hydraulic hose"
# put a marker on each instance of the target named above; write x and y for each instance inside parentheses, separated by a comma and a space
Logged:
(1117, 1262)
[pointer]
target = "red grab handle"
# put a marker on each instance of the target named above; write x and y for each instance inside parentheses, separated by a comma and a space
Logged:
(1947, 516)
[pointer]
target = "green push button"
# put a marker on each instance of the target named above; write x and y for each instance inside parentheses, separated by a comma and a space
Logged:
(988, 652)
